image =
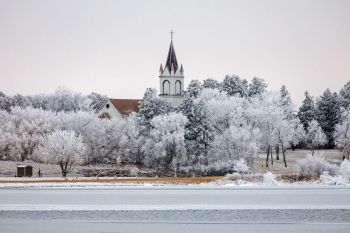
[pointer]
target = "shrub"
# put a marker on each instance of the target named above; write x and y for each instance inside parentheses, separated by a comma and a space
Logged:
(240, 166)
(345, 169)
(325, 178)
(269, 179)
(233, 177)
(314, 166)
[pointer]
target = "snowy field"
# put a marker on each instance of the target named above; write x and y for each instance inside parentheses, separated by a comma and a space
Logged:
(8, 168)
(333, 156)
(170, 209)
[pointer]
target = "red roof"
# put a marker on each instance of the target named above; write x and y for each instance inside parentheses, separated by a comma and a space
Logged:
(126, 106)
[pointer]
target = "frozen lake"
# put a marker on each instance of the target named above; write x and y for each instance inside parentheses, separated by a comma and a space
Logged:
(176, 209)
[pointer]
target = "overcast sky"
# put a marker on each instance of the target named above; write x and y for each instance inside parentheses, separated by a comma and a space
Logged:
(116, 47)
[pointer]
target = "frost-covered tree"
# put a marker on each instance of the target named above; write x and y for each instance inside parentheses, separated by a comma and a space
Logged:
(5, 102)
(151, 106)
(66, 100)
(298, 135)
(132, 140)
(24, 128)
(286, 102)
(62, 99)
(342, 134)
(327, 113)
(256, 87)
(64, 148)
(288, 133)
(198, 132)
(211, 83)
(194, 89)
(285, 96)
(96, 101)
(8, 137)
(344, 95)
(306, 111)
(315, 136)
(234, 138)
(233, 85)
(39, 102)
(19, 100)
(266, 113)
(236, 142)
(102, 137)
(165, 146)
(223, 110)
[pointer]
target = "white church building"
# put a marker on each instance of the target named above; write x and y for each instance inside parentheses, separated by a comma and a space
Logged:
(171, 88)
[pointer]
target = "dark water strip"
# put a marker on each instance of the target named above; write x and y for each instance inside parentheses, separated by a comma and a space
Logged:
(277, 216)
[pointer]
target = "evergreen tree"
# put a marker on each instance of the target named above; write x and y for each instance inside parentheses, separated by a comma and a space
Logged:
(327, 113)
(151, 106)
(20, 101)
(307, 111)
(286, 102)
(197, 131)
(96, 100)
(194, 89)
(5, 102)
(257, 87)
(233, 85)
(285, 96)
(344, 95)
(212, 84)
(315, 136)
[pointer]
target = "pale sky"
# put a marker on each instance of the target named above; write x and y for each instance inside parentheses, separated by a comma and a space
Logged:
(116, 47)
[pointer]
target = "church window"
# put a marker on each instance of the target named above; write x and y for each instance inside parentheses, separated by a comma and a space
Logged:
(107, 106)
(166, 87)
(178, 87)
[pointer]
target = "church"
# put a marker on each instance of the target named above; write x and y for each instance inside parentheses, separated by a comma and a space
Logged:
(171, 78)
(171, 88)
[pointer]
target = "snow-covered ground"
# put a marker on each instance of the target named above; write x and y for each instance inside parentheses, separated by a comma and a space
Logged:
(6, 183)
(8, 168)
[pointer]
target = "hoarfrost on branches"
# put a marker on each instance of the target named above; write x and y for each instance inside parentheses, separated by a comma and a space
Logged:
(314, 166)
(165, 147)
(62, 147)
(241, 166)
(344, 169)
(315, 136)
(342, 134)
(269, 179)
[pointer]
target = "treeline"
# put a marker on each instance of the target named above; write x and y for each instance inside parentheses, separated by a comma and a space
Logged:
(220, 127)
(62, 100)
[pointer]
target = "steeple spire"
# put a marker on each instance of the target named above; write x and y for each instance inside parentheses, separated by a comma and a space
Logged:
(171, 61)
(172, 33)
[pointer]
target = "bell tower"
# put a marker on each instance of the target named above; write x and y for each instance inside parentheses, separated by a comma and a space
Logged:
(171, 78)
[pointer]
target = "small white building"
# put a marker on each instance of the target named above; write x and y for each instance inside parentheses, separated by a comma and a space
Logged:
(118, 108)
(171, 79)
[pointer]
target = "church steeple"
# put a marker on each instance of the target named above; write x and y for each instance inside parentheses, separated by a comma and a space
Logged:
(171, 61)
(171, 78)
(171, 66)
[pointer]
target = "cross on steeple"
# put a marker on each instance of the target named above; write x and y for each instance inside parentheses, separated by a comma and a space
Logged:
(172, 33)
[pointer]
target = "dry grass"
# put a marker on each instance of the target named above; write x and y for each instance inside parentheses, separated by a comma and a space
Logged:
(185, 180)
(334, 156)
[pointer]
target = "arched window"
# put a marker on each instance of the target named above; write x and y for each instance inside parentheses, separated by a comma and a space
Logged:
(166, 87)
(177, 87)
